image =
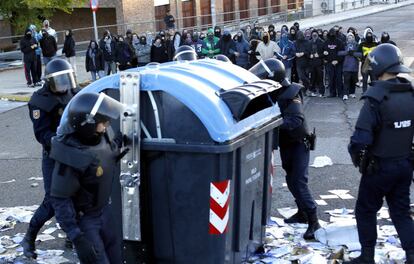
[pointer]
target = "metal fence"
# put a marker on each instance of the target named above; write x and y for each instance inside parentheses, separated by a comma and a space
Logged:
(227, 20)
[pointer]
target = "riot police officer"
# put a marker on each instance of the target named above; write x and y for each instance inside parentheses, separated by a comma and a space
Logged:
(45, 108)
(381, 148)
(86, 154)
(295, 142)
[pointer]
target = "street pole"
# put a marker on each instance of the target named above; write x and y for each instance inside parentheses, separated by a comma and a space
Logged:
(95, 27)
(213, 13)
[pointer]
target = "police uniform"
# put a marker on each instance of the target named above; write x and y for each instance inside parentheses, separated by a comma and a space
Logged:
(85, 168)
(45, 110)
(293, 142)
(381, 148)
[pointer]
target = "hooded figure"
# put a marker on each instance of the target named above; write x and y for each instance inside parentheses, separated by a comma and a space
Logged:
(242, 49)
(333, 60)
(197, 44)
(159, 51)
(367, 45)
(292, 33)
(303, 50)
(267, 49)
(287, 52)
(227, 45)
(350, 65)
(385, 38)
(272, 33)
(69, 49)
(217, 32)
(28, 46)
(48, 45)
(142, 51)
(316, 64)
(123, 54)
(210, 44)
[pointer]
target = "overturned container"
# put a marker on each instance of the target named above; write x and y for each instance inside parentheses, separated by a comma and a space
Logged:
(197, 185)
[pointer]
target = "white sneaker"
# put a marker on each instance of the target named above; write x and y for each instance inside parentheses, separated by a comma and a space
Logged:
(313, 94)
(352, 95)
(345, 97)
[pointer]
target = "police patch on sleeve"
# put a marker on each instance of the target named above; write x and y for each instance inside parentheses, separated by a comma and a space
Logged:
(36, 114)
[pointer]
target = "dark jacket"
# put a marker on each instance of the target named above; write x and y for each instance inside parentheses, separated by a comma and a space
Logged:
(123, 53)
(287, 48)
(169, 21)
(316, 47)
(69, 46)
(242, 47)
(48, 45)
(29, 54)
(252, 52)
(227, 46)
(159, 53)
(302, 45)
(351, 57)
(94, 59)
(108, 51)
(333, 45)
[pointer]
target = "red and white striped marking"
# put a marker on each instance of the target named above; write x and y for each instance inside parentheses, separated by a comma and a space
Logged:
(219, 207)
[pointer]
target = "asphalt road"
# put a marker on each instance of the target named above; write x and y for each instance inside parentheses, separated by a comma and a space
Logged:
(334, 120)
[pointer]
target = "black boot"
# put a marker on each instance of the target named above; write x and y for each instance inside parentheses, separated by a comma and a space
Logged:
(300, 217)
(410, 256)
(313, 225)
(366, 257)
(28, 244)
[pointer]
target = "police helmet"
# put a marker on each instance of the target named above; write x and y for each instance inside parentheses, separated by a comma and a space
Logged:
(272, 69)
(185, 53)
(222, 57)
(385, 58)
(60, 76)
(87, 110)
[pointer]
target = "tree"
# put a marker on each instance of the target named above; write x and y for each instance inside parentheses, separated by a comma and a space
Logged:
(22, 13)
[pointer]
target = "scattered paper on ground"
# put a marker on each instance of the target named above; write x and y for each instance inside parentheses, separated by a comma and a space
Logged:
(322, 161)
(321, 202)
(12, 180)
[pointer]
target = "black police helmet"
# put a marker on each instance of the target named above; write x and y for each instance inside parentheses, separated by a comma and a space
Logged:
(87, 110)
(386, 58)
(222, 57)
(60, 76)
(272, 69)
(185, 53)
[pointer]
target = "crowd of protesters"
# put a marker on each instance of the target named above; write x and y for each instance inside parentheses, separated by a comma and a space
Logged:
(320, 59)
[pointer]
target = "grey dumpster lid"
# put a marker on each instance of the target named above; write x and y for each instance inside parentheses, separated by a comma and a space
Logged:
(197, 84)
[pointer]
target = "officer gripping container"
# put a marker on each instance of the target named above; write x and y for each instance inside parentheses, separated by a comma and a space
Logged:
(196, 186)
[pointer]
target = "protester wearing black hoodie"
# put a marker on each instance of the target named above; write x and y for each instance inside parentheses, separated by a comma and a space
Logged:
(333, 61)
(227, 46)
(292, 37)
(123, 54)
(28, 46)
(107, 45)
(217, 32)
(272, 33)
(159, 51)
(367, 45)
(385, 38)
(252, 52)
(69, 49)
(49, 47)
(316, 64)
(302, 48)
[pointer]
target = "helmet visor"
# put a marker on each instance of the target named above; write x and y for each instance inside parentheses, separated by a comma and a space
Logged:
(105, 109)
(61, 82)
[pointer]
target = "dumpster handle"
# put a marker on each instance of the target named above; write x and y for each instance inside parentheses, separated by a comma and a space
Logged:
(146, 132)
(156, 115)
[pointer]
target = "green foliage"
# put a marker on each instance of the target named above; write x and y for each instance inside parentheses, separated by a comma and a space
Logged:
(22, 13)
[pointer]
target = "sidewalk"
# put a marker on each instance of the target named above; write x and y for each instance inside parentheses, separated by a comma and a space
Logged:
(13, 83)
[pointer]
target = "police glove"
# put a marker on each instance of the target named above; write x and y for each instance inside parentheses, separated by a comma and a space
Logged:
(86, 251)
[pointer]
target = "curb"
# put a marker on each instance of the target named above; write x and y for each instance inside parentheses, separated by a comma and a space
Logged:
(15, 98)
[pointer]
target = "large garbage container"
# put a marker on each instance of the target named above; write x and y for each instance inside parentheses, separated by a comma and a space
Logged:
(208, 134)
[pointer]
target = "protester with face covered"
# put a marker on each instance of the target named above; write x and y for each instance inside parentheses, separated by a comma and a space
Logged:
(107, 45)
(254, 42)
(247, 32)
(316, 65)
(37, 36)
(94, 62)
(69, 49)
(227, 46)
(385, 38)
(28, 45)
(159, 51)
(333, 65)
(267, 49)
(197, 44)
(302, 52)
(350, 66)
(242, 49)
(123, 54)
(217, 32)
(187, 39)
(272, 33)
(210, 45)
(287, 53)
(292, 37)
(142, 51)
(366, 46)
(49, 47)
